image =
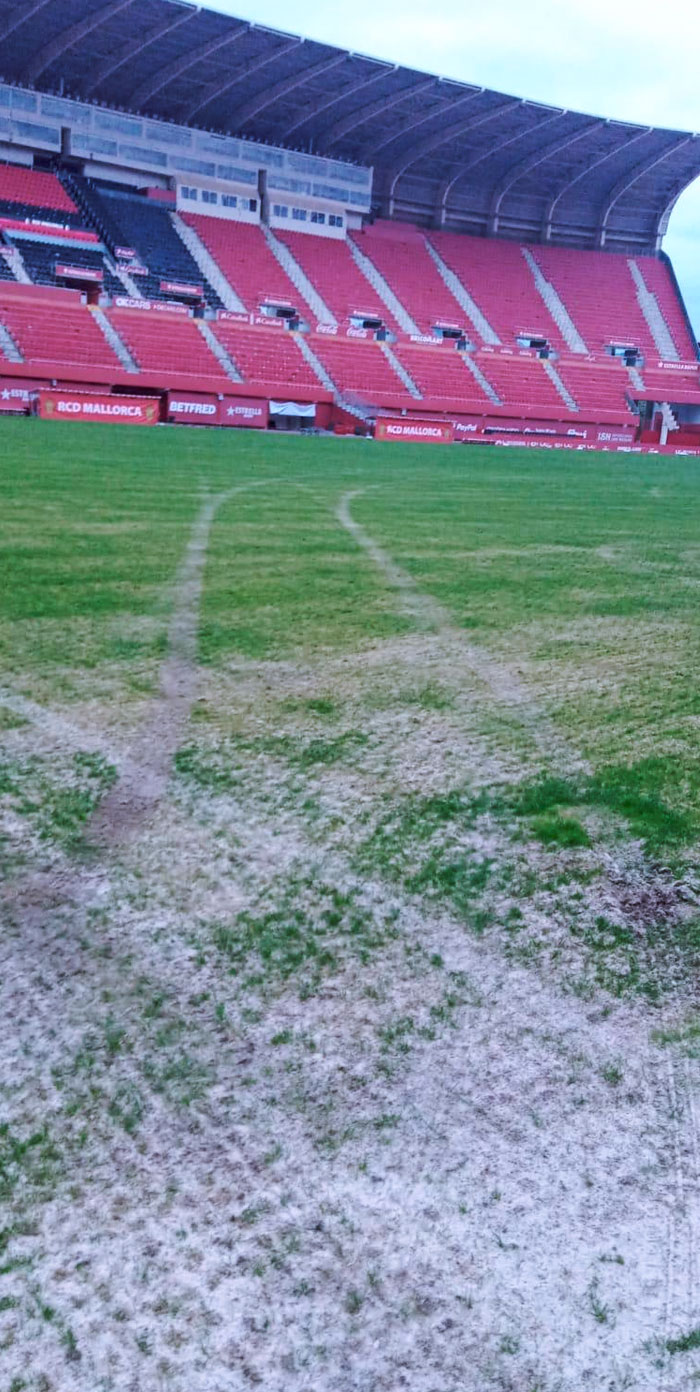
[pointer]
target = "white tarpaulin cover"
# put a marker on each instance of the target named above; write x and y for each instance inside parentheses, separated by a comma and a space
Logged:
(293, 408)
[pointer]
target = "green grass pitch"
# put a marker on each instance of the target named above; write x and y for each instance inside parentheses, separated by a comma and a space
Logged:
(349, 815)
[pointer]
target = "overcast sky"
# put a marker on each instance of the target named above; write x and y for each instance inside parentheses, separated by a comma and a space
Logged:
(630, 62)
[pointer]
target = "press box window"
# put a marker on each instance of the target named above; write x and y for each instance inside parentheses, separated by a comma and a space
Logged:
(229, 200)
(208, 196)
(280, 210)
(299, 214)
(318, 217)
(190, 193)
(334, 220)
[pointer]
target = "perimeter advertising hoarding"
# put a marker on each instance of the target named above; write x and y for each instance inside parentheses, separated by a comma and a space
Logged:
(198, 408)
(421, 431)
(17, 393)
(78, 406)
(244, 411)
(193, 408)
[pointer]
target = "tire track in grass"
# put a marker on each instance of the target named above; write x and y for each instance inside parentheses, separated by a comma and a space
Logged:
(144, 768)
(680, 1263)
(504, 686)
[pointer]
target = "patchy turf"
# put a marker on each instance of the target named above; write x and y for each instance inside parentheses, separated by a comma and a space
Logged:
(349, 806)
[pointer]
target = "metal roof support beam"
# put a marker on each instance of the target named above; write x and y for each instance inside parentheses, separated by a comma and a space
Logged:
(22, 17)
(368, 113)
(384, 71)
(525, 166)
(485, 154)
(71, 36)
(571, 182)
(627, 181)
(132, 49)
(433, 142)
(439, 138)
(280, 89)
(170, 73)
(410, 126)
(218, 89)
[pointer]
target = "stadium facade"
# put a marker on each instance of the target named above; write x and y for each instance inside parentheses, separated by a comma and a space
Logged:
(239, 225)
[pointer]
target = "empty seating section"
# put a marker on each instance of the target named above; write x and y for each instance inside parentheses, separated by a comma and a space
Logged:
(597, 288)
(402, 257)
(600, 295)
(267, 357)
(657, 278)
(243, 255)
(523, 383)
(169, 344)
(31, 193)
(502, 285)
(41, 257)
(329, 265)
(598, 388)
(58, 333)
(144, 225)
(360, 369)
(667, 385)
(441, 375)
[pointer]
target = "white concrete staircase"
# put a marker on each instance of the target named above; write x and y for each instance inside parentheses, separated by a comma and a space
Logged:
(383, 289)
(115, 341)
(299, 278)
(477, 320)
(563, 390)
(636, 379)
(210, 269)
(127, 281)
(556, 306)
(8, 345)
(316, 365)
(401, 371)
(483, 381)
(17, 266)
(669, 422)
(219, 351)
(651, 310)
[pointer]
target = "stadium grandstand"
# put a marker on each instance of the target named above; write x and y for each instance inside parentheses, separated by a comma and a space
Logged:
(196, 207)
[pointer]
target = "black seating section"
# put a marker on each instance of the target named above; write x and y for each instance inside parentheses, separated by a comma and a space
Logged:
(143, 224)
(28, 211)
(41, 258)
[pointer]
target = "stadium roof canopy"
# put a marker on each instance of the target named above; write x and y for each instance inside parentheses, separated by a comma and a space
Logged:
(444, 152)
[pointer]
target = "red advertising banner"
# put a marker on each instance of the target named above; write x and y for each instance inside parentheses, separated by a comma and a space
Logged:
(266, 321)
(17, 393)
(244, 411)
(179, 287)
(421, 431)
(78, 406)
(79, 272)
(193, 408)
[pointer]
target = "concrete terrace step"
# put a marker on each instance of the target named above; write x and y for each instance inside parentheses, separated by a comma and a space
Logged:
(299, 278)
(477, 320)
(114, 339)
(209, 268)
(220, 353)
(383, 289)
(8, 345)
(556, 306)
(652, 312)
